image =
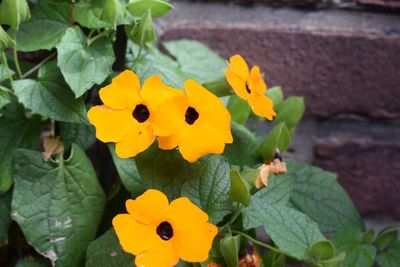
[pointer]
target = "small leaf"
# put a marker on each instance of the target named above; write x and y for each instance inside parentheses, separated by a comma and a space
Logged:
(49, 96)
(276, 95)
(322, 250)
(239, 109)
(158, 8)
(219, 87)
(230, 249)
(4, 72)
(390, 257)
(84, 135)
(5, 41)
(99, 14)
(386, 238)
(290, 111)
(197, 60)
(143, 32)
(337, 261)
(368, 237)
(239, 191)
(13, 12)
(5, 218)
(45, 29)
(57, 205)
(82, 65)
(279, 137)
(106, 251)
(5, 98)
(128, 173)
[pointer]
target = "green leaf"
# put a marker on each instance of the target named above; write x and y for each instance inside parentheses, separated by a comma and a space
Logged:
(33, 263)
(57, 205)
(15, 131)
(143, 32)
(128, 173)
(4, 72)
(84, 65)
(244, 144)
(276, 95)
(5, 98)
(390, 257)
(49, 96)
(386, 238)
(84, 135)
(292, 231)
(239, 191)
(13, 12)
(322, 250)
(158, 8)
(279, 137)
(219, 87)
(106, 251)
(208, 187)
(99, 14)
(45, 29)
(230, 246)
(5, 41)
(368, 237)
(239, 109)
(337, 261)
(5, 218)
(318, 194)
(357, 254)
(197, 60)
(290, 111)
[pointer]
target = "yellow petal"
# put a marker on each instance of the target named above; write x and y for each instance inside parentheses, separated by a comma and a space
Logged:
(111, 125)
(150, 208)
(138, 138)
(256, 81)
(200, 141)
(172, 141)
(183, 211)
(133, 236)
(239, 66)
(169, 116)
(123, 92)
(262, 106)
(161, 254)
(154, 92)
(238, 84)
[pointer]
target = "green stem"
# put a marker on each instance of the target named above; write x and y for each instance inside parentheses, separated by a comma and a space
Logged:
(72, 18)
(16, 62)
(232, 219)
(4, 60)
(53, 128)
(92, 40)
(92, 31)
(137, 57)
(29, 72)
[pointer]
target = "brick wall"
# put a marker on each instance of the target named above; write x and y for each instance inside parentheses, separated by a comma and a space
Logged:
(346, 63)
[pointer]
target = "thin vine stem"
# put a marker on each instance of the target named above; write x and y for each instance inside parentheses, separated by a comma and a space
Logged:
(137, 57)
(92, 40)
(16, 61)
(4, 60)
(36, 67)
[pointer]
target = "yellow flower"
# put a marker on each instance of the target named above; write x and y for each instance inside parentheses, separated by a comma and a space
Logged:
(249, 86)
(159, 233)
(128, 116)
(204, 123)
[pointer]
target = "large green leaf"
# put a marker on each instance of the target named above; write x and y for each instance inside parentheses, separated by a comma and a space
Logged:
(239, 109)
(15, 131)
(5, 40)
(290, 111)
(99, 14)
(33, 263)
(390, 257)
(13, 12)
(106, 251)
(128, 173)
(348, 240)
(209, 185)
(84, 135)
(318, 194)
(197, 60)
(292, 231)
(81, 64)
(5, 98)
(243, 150)
(5, 218)
(45, 29)
(57, 205)
(49, 96)
(157, 8)
(279, 137)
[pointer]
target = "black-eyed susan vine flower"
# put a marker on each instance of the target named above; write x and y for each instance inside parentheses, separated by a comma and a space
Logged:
(129, 114)
(250, 86)
(160, 233)
(204, 123)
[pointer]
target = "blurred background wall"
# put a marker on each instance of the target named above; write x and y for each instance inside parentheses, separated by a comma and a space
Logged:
(343, 57)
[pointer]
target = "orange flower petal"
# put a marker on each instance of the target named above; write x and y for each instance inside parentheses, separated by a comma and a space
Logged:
(262, 106)
(149, 208)
(169, 116)
(111, 125)
(183, 211)
(133, 236)
(154, 92)
(238, 84)
(256, 81)
(161, 254)
(138, 138)
(123, 92)
(239, 66)
(172, 141)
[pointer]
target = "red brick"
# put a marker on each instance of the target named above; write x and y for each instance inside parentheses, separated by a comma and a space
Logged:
(381, 3)
(369, 170)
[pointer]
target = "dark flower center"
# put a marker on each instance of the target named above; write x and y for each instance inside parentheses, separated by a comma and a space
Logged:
(191, 115)
(141, 113)
(248, 89)
(165, 231)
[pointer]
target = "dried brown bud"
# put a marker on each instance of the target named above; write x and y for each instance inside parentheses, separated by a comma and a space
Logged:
(52, 146)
